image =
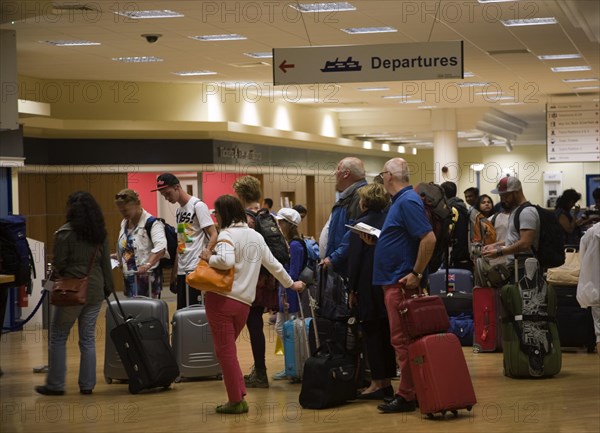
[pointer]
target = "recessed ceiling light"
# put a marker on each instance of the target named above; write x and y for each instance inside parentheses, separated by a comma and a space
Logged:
(70, 43)
(412, 101)
(571, 69)
(193, 73)
(385, 147)
(140, 15)
(426, 107)
(529, 22)
(364, 30)
(473, 84)
(587, 88)
(323, 7)
(578, 80)
(142, 59)
(229, 37)
(559, 56)
(260, 55)
(401, 149)
(468, 74)
(372, 89)
(367, 145)
(395, 97)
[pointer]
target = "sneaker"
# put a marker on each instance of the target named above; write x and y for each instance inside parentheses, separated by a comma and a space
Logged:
(233, 408)
(249, 376)
(282, 375)
(257, 379)
(44, 390)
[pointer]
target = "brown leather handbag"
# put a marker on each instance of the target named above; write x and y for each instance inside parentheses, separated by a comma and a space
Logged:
(71, 292)
(209, 279)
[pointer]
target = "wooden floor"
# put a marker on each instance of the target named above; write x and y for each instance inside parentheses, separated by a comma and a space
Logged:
(569, 402)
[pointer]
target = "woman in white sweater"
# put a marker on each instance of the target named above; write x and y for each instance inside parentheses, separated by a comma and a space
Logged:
(227, 312)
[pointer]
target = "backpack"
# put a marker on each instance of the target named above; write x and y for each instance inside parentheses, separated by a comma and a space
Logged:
(481, 232)
(15, 255)
(170, 235)
(551, 248)
(312, 251)
(266, 225)
(440, 216)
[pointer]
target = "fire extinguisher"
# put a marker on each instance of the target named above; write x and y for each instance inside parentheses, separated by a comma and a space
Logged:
(23, 297)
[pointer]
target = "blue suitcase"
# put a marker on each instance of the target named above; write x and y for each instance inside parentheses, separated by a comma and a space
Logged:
(295, 346)
(459, 280)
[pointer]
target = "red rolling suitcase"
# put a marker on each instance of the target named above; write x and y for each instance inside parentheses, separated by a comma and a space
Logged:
(487, 333)
(441, 376)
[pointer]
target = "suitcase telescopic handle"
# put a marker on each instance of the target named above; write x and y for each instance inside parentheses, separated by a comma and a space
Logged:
(112, 311)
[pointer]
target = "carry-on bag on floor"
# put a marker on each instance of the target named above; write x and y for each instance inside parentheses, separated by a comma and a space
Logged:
(575, 324)
(328, 379)
(193, 344)
(140, 308)
(144, 349)
(459, 280)
(462, 327)
(530, 341)
(295, 344)
(440, 373)
(487, 326)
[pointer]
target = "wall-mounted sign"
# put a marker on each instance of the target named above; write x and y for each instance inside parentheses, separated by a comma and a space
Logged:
(573, 132)
(368, 63)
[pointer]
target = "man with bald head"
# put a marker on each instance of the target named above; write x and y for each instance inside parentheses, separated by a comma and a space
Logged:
(349, 177)
(402, 253)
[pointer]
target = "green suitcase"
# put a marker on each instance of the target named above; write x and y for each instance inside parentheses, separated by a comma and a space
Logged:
(531, 345)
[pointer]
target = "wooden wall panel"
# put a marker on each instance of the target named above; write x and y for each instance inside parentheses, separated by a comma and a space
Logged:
(43, 197)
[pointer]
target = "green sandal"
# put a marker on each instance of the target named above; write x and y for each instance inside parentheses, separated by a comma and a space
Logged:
(234, 408)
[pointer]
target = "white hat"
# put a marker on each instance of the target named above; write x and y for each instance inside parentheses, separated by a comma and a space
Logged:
(290, 215)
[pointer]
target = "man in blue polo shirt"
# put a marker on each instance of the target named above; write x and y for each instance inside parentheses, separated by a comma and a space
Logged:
(402, 253)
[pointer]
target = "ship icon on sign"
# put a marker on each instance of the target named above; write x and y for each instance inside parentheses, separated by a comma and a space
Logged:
(337, 65)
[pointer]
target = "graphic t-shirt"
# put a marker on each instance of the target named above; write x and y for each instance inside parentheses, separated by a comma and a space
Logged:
(191, 239)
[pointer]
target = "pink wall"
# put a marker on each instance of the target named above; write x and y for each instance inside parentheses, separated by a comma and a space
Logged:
(142, 183)
(214, 184)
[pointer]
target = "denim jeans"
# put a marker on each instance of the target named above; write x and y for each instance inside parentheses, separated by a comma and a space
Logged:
(62, 322)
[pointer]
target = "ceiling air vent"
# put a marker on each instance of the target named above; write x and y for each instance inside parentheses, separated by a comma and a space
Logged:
(505, 52)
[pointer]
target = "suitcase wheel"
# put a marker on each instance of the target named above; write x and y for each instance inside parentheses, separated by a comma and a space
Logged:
(179, 379)
(219, 377)
(455, 413)
(108, 380)
(430, 416)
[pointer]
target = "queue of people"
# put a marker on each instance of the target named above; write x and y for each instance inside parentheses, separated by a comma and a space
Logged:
(377, 278)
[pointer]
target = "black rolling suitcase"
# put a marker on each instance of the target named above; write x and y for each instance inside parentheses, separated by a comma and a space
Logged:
(575, 324)
(144, 349)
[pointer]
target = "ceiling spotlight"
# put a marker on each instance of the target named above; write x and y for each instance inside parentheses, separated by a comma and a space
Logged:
(487, 140)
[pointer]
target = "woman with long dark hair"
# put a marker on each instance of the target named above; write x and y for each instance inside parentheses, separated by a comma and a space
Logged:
(485, 205)
(77, 243)
(569, 223)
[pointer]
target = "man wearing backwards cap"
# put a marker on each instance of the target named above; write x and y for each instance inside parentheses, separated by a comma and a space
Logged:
(195, 231)
(511, 194)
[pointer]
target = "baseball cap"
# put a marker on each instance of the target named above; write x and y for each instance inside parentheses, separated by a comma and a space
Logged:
(507, 184)
(290, 215)
(127, 196)
(165, 180)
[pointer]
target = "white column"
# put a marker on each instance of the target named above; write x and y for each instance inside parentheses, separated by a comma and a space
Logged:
(445, 145)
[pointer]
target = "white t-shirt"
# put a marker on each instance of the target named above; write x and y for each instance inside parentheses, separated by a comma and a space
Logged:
(528, 220)
(191, 219)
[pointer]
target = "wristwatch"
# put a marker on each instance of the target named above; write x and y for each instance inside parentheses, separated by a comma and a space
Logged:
(417, 274)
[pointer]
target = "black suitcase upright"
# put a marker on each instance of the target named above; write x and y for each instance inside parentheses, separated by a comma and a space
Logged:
(145, 352)
(575, 324)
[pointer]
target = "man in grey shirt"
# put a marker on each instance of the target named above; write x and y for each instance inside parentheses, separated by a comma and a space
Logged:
(511, 194)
